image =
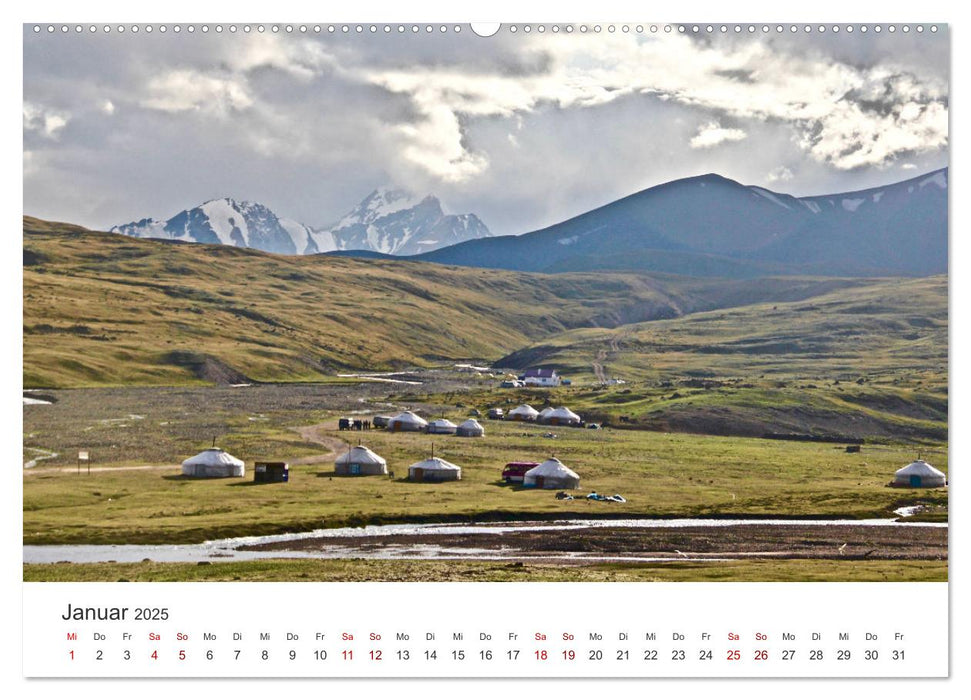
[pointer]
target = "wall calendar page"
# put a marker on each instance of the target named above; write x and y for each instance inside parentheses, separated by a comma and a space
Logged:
(553, 350)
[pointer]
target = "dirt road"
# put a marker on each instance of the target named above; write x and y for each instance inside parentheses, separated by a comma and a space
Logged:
(599, 363)
(318, 435)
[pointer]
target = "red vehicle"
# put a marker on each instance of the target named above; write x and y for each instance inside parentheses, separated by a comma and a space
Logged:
(515, 471)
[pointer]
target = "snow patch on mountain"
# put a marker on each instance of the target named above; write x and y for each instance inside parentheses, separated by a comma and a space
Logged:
(771, 196)
(228, 220)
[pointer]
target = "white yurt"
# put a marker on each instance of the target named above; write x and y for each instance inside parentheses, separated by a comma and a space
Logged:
(434, 469)
(213, 463)
(442, 426)
(470, 428)
(551, 474)
(563, 416)
(360, 461)
(407, 421)
(919, 474)
(544, 414)
(524, 412)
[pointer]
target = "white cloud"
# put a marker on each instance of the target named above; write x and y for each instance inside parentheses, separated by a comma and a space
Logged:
(435, 144)
(712, 134)
(780, 174)
(44, 121)
(303, 59)
(826, 103)
(191, 90)
(524, 130)
(852, 138)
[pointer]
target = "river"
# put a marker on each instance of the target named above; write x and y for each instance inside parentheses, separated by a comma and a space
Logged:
(226, 549)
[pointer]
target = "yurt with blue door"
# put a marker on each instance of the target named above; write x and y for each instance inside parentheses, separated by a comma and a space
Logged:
(360, 461)
(919, 475)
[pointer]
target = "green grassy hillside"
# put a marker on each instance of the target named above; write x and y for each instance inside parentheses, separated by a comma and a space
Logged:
(863, 363)
(103, 309)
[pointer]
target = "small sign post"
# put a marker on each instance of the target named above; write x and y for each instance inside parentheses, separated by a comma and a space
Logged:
(83, 457)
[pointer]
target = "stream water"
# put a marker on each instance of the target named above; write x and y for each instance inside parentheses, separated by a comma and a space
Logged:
(217, 550)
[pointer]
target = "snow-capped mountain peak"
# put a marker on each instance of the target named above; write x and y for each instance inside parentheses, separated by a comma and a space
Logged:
(397, 222)
(224, 221)
(388, 220)
(382, 202)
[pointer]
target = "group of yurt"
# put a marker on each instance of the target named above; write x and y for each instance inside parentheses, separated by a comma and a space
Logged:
(358, 460)
(407, 421)
(548, 416)
(362, 461)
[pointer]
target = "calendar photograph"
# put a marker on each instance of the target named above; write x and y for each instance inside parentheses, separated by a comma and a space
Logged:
(432, 303)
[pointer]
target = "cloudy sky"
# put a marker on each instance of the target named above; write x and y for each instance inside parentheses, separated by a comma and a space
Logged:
(523, 129)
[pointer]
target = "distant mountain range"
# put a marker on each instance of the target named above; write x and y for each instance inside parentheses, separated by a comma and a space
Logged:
(705, 226)
(387, 221)
(712, 226)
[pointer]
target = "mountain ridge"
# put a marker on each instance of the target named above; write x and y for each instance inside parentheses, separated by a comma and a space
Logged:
(899, 228)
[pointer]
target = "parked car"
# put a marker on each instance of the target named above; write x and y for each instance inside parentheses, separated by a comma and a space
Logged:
(515, 471)
(381, 421)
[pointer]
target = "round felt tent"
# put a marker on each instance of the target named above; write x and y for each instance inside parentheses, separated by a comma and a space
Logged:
(563, 416)
(470, 428)
(919, 474)
(442, 426)
(551, 474)
(407, 421)
(544, 414)
(360, 461)
(523, 412)
(434, 469)
(213, 463)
